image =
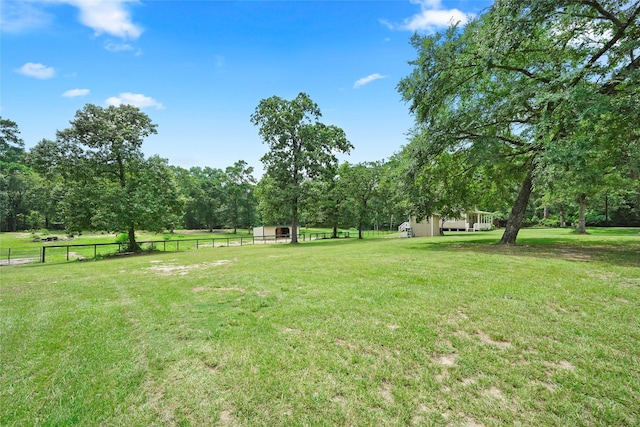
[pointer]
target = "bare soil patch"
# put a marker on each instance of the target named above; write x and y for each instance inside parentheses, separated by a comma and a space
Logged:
(182, 270)
(486, 339)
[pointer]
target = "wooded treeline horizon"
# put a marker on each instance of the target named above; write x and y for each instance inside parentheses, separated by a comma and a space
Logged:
(528, 111)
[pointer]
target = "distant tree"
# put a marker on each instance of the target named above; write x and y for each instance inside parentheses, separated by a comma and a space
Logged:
(273, 205)
(209, 196)
(361, 182)
(238, 191)
(11, 145)
(15, 177)
(324, 202)
(300, 147)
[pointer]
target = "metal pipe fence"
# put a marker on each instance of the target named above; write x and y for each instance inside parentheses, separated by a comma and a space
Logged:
(61, 253)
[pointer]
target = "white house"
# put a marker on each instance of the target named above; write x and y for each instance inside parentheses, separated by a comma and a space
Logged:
(471, 221)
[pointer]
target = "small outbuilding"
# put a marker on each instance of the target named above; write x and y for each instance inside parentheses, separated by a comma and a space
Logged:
(272, 231)
(427, 227)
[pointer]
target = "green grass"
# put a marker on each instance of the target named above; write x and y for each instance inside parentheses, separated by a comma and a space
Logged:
(431, 331)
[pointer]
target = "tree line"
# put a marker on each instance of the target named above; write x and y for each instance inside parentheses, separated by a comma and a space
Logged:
(529, 111)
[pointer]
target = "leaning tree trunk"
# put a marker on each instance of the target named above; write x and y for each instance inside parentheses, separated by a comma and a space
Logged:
(514, 223)
(582, 207)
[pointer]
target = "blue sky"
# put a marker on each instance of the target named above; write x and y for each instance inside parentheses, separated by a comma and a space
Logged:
(199, 68)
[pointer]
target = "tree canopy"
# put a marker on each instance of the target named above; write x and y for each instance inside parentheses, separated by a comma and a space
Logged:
(516, 86)
(110, 184)
(300, 147)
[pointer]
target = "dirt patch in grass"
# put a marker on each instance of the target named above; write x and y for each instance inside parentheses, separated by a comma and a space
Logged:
(182, 270)
(486, 339)
(227, 418)
(339, 399)
(495, 393)
(470, 422)
(448, 360)
(206, 288)
(468, 381)
(385, 392)
(19, 261)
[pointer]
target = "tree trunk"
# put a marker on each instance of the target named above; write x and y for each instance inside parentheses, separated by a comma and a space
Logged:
(514, 223)
(133, 246)
(360, 230)
(582, 224)
(294, 222)
(563, 221)
(545, 213)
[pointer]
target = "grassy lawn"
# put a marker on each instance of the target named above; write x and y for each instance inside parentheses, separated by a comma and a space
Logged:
(429, 331)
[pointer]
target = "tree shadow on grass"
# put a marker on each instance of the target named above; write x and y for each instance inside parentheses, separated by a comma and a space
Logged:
(624, 254)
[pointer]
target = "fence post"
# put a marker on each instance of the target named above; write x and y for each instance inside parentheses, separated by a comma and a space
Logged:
(240, 241)
(196, 243)
(9, 256)
(95, 251)
(67, 253)
(43, 250)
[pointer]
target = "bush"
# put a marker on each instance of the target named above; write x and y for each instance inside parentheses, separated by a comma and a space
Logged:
(122, 238)
(550, 222)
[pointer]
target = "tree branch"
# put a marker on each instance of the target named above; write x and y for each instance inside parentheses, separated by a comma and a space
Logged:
(603, 12)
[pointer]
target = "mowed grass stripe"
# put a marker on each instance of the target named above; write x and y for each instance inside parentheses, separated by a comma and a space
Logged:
(445, 331)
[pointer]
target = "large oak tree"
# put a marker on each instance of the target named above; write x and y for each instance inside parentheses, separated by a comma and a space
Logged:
(510, 91)
(111, 186)
(300, 148)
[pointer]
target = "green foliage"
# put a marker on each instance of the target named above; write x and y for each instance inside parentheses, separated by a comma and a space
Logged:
(240, 204)
(11, 145)
(109, 185)
(122, 238)
(300, 147)
(530, 92)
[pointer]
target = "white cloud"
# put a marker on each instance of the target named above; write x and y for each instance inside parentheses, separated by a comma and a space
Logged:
(38, 71)
(107, 16)
(135, 99)
(117, 47)
(110, 17)
(112, 46)
(366, 80)
(431, 18)
(75, 92)
(20, 16)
